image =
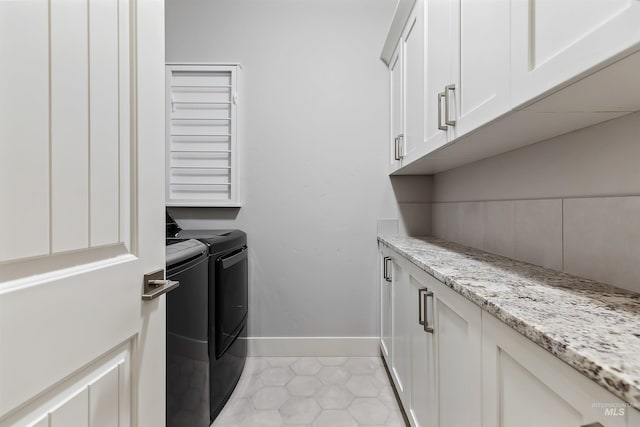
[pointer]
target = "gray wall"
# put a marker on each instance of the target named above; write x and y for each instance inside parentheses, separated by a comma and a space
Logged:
(569, 203)
(314, 109)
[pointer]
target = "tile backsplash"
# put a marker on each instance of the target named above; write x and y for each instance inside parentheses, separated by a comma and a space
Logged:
(570, 203)
(595, 237)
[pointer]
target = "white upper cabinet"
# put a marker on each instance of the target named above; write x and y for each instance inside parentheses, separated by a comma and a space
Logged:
(439, 49)
(467, 66)
(407, 91)
(456, 73)
(554, 41)
(497, 75)
(481, 67)
(413, 50)
(397, 105)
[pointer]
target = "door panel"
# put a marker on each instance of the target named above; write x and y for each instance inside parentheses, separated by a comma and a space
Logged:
(523, 395)
(414, 53)
(24, 129)
(401, 340)
(69, 180)
(103, 399)
(482, 67)
(452, 358)
(422, 410)
(438, 73)
(69, 318)
(553, 42)
(458, 357)
(97, 396)
(73, 412)
(104, 118)
(520, 377)
(397, 104)
(556, 25)
(80, 232)
(385, 312)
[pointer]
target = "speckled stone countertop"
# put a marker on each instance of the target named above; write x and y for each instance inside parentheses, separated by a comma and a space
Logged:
(591, 326)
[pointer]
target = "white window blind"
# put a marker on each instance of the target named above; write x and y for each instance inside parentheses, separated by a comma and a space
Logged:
(201, 135)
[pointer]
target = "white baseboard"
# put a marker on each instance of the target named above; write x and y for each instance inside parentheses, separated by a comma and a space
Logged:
(313, 346)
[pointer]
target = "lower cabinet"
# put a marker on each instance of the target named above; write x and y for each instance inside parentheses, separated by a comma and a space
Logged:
(455, 365)
(446, 355)
(395, 321)
(385, 306)
(525, 386)
(422, 402)
(400, 338)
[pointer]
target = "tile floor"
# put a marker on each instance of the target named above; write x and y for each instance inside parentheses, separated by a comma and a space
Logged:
(312, 391)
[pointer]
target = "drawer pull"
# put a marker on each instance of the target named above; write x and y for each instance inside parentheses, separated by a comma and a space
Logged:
(385, 270)
(421, 312)
(440, 125)
(426, 295)
(446, 105)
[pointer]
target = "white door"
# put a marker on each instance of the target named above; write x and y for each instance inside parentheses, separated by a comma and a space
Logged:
(385, 307)
(413, 49)
(552, 41)
(422, 409)
(439, 49)
(397, 105)
(401, 339)
(458, 347)
(481, 69)
(81, 205)
(526, 386)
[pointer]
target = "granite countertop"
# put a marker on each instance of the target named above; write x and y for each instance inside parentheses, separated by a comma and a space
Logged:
(592, 326)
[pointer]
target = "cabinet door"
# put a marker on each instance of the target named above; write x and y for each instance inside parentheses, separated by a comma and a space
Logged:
(413, 49)
(481, 69)
(397, 105)
(554, 41)
(385, 307)
(525, 386)
(400, 341)
(422, 408)
(438, 67)
(457, 332)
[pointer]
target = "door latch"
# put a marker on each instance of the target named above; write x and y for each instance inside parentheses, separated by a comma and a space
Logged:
(155, 285)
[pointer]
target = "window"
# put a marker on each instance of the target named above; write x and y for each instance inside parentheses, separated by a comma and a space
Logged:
(201, 151)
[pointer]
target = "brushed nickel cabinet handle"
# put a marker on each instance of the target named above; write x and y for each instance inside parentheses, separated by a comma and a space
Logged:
(397, 152)
(427, 328)
(385, 270)
(421, 313)
(440, 125)
(401, 146)
(447, 89)
(592, 425)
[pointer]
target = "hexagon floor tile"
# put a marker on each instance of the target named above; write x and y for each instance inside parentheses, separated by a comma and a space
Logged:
(312, 391)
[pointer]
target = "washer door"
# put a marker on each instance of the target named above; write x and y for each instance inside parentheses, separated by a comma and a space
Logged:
(231, 297)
